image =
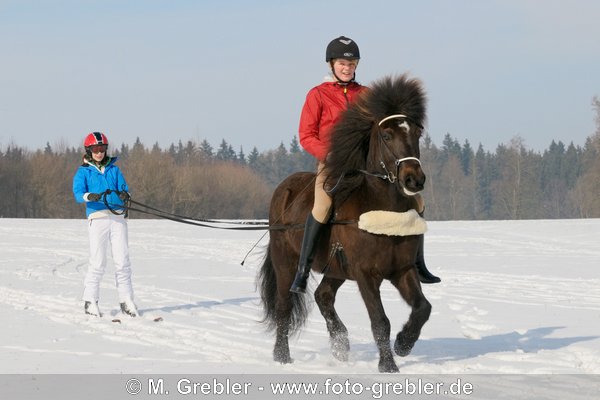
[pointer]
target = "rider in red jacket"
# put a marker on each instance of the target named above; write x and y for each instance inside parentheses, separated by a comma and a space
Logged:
(322, 109)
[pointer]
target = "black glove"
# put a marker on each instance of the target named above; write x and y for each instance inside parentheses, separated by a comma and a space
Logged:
(124, 196)
(94, 197)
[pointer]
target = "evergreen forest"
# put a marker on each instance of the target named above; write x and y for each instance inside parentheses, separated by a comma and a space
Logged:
(201, 181)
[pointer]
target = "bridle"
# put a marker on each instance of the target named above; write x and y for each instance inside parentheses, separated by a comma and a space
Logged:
(389, 175)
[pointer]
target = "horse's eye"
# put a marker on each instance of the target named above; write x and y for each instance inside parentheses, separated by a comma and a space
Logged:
(386, 136)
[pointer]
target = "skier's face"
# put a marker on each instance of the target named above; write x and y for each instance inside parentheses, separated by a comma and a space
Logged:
(98, 152)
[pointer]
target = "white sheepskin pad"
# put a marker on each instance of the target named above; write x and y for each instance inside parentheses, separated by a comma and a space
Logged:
(393, 223)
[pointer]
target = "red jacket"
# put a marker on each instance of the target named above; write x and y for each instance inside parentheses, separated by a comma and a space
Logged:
(322, 109)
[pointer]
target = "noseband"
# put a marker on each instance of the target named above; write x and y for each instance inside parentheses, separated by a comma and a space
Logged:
(390, 175)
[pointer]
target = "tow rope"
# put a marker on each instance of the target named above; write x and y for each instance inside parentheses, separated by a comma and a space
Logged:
(123, 209)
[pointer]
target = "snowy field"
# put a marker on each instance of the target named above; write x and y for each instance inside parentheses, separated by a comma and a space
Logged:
(517, 297)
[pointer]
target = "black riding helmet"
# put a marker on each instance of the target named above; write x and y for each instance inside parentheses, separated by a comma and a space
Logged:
(342, 47)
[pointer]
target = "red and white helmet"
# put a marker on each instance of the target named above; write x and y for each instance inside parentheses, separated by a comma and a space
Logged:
(95, 138)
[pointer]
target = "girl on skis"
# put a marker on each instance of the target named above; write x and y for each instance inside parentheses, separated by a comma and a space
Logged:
(100, 184)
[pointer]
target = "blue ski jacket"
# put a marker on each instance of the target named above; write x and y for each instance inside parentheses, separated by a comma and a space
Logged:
(92, 179)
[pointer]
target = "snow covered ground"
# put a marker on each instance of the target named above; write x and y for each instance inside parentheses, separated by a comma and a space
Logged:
(517, 297)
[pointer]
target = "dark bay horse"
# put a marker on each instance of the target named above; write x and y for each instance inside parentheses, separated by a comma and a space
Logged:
(373, 166)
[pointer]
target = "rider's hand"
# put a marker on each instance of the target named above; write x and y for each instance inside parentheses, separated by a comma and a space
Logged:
(93, 197)
(124, 196)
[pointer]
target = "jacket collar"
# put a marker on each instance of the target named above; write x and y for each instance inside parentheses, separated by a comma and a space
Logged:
(101, 168)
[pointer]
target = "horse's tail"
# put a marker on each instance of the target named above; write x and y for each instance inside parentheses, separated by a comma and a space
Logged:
(267, 281)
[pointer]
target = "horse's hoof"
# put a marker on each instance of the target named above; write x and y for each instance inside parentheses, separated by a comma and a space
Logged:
(340, 347)
(403, 349)
(403, 346)
(388, 367)
(287, 360)
(340, 355)
(282, 358)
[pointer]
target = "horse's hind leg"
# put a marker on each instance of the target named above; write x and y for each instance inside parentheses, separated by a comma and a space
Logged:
(338, 334)
(281, 307)
(281, 350)
(410, 290)
(380, 324)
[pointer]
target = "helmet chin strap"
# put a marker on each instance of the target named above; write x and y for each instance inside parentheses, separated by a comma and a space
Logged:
(341, 82)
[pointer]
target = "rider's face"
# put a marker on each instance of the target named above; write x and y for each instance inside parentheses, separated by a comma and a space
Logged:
(344, 69)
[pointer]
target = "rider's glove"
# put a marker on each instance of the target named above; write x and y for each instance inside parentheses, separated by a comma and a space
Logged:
(124, 196)
(93, 197)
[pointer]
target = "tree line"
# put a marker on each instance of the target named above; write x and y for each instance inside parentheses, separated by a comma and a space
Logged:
(196, 180)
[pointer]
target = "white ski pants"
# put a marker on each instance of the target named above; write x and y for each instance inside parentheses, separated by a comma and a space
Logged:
(104, 232)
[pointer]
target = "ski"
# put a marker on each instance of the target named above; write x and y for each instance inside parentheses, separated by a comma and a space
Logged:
(153, 319)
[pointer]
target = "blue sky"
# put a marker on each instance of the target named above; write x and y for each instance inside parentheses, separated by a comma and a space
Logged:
(165, 70)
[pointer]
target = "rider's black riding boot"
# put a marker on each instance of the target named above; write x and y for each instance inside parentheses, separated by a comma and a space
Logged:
(424, 275)
(312, 231)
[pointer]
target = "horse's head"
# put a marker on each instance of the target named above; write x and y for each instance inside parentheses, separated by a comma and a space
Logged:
(379, 135)
(394, 150)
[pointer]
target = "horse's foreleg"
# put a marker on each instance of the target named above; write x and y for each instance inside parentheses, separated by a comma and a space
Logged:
(338, 334)
(380, 324)
(410, 289)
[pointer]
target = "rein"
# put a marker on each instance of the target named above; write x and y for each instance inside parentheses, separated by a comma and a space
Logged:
(241, 225)
(118, 209)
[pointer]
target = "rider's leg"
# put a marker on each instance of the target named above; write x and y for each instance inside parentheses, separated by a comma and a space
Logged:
(424, 275)
(315, 222)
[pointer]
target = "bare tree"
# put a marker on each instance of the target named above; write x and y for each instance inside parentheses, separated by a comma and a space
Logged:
(586, 194)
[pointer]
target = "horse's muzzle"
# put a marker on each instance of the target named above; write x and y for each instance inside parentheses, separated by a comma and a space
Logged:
(412, 179)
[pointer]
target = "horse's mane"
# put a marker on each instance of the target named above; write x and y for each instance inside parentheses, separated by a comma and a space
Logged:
(352, 133)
